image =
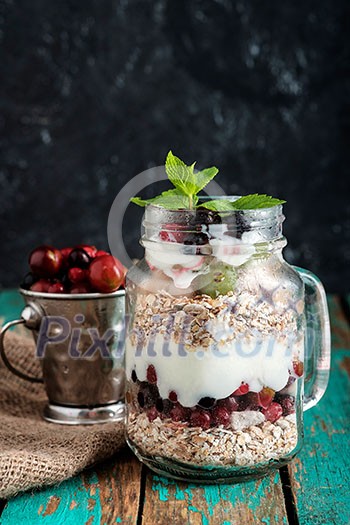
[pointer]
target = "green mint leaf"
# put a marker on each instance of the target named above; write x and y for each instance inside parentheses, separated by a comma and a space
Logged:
(203, 177)
(171, 199)
(218, 205)
(180, 175)
(256, 201)
(174, 200)
(141, 202)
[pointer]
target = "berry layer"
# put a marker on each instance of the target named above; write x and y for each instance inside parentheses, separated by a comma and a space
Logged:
(212, 371)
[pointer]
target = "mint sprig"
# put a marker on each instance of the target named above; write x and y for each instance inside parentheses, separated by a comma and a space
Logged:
(188, 183)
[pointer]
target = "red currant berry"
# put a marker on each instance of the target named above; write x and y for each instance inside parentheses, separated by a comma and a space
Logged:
(172, 232)
(173, 396)
(298, 368)
(56, 288)
(200, 418)
(101, 252)
(243, 389)
(229, 403)
(151, 375)
(41, 286)
(273, 412)
(106, 273)
(221, 416)
(76, 275)
(45, 261)
(178, 413)
(265, 397)
(152, 413)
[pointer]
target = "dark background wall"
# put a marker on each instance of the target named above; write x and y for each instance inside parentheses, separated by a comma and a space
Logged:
(93, 92)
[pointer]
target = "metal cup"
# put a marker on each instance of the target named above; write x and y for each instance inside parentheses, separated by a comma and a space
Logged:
(80, 342)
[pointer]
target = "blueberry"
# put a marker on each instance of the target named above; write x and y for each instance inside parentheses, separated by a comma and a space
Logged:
(204, 216)
(141, 399)
(150, 394)
(206, 402)
(160, 404)
(197, 239)
(134, 376)
(28, 280)
(241, 224)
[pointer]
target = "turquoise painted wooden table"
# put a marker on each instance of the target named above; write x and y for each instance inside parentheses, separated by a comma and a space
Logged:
(313, 490)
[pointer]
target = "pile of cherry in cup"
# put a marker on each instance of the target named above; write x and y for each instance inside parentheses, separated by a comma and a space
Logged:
(76, 270)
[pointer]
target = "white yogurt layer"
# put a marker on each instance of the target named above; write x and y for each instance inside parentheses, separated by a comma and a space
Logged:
(214, 373)
(180, 267)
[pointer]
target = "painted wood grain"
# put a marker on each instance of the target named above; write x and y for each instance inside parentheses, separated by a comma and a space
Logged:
(321, 474)
(107, 494)
(256, 502)
(11, 304)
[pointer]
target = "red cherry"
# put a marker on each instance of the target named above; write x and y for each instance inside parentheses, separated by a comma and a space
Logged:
(221, 416)
(200, 418)
(81, 288)
(45, 261)
(76, 275)
(265, 397)
(106, 273)
(101, 252)
(151, 375)
(65, 253)
(90, 250)
(78, 258)
(243, 389)
(41, 286)
(298, 368)
(173, 396)
(56, 288)
(152, 413)
(273, 412)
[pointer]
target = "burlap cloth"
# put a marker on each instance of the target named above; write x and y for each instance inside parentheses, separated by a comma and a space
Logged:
(33, 452)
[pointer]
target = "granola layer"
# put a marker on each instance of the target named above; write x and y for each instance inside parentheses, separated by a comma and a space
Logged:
(217, 446)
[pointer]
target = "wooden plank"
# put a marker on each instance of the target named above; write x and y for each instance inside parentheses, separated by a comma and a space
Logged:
(255, 502)
(340, 333)
(320, 476)
(11, 305)
(101, 496)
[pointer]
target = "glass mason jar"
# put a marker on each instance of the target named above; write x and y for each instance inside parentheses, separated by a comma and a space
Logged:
(217, 327)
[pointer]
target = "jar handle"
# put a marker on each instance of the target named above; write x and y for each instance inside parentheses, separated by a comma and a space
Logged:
(317, 339)
(31, 317)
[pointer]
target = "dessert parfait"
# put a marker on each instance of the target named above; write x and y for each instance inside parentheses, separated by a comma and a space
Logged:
(215, 338)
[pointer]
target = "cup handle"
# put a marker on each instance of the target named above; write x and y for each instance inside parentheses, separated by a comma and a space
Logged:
(31, 318)
(317, 339)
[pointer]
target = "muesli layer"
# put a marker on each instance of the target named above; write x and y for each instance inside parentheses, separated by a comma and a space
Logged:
(197, 320)
(216, 446)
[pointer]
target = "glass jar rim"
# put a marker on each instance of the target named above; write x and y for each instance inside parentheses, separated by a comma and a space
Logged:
(205, 198)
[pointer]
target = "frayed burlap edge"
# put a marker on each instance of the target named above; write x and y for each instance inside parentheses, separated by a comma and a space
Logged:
(34, 453)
